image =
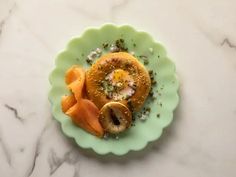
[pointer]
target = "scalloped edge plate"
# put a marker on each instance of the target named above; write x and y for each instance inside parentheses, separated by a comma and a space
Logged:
(166, 91)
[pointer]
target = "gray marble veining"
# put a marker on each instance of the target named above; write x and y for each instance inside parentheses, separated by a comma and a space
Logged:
(14, 110)
(5, 150)
(200, 39)
(6, 17)
(227, 42)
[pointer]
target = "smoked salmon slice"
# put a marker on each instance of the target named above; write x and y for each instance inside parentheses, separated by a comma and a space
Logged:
(75, 78)
(83, 112)
(67, 102)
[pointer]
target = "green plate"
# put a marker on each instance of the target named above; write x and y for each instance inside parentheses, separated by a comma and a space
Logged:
(165, 91)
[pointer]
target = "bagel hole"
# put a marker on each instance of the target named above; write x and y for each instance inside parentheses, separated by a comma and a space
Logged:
(114, 119)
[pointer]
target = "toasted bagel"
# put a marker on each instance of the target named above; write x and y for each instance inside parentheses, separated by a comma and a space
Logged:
(115, 117)
(117, 66)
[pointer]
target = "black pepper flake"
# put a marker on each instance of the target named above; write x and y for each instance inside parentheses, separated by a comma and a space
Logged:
(151, 93)
(154, 82)
(134, 44)
(148, 109)
(158, 56)
(89, 61)
(105, 45)
(133, 119)
(120, 44)
(161, 104)
(150, 72)
(158, 115)
(143, 57)
(146, 62)
(130, 105)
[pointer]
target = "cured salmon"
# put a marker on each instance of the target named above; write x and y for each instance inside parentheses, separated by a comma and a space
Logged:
(83, 112)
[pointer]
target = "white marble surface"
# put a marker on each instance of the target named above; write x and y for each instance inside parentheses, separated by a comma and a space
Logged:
(200, 37)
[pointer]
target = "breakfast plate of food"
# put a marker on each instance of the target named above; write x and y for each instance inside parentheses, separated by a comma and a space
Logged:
(113, 89)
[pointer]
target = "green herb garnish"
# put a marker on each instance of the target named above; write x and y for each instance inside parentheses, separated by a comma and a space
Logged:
(105, 45)
(146, 62)
(120, 44)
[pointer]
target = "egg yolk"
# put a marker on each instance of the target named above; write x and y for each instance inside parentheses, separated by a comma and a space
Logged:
(119, 84)
(119, 75)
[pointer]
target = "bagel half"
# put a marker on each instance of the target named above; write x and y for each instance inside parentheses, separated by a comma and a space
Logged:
(115, 117)
(107, 64)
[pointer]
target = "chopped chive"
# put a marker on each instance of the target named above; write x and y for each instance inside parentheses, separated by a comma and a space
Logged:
(105, 45)
(146, 62)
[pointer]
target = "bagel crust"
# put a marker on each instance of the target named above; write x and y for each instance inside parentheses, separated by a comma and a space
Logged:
(115, 117)
(107, 64)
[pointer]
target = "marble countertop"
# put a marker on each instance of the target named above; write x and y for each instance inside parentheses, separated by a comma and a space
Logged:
(200, 38)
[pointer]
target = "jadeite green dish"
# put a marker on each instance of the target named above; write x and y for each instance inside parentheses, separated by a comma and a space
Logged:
(166, 90)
